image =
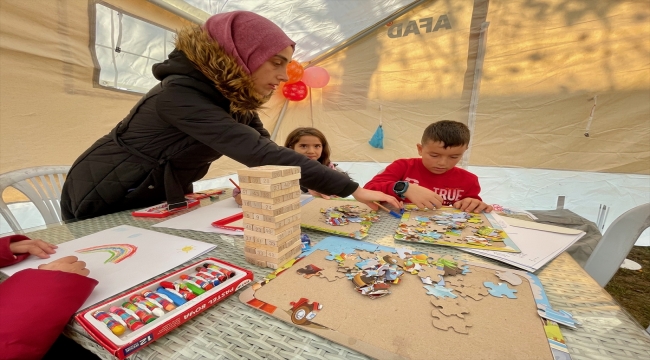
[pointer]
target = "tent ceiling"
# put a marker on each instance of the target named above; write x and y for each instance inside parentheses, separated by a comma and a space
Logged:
(315, 25)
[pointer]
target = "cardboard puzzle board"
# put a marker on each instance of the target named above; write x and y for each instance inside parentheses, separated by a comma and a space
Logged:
(313, 218)
(452, 227)
(408, 323)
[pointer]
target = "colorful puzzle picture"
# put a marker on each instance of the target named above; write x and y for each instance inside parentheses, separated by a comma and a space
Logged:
(452, 227)
(340, 217)
(400, 304)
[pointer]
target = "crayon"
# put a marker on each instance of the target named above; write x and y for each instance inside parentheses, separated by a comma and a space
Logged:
(227, 272)
(179, 287)
(143, 315)
(143, 303)
(208, 277)
(131, 322)
(177, 298)
(167, 305)
(234, 183)
(112, 325)
(194, 288)
(201, 283)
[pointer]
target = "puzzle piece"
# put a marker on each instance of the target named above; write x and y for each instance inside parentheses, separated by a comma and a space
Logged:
(403, 253)
(332, 274)
(349, 262)
(455, 281)
(509, 277)
(427, 280)
(444, 323)
(500, 290)
(449, 307)
(439, 291)
(467, 270)
(366, 254)
(452, 271)
(475, 293)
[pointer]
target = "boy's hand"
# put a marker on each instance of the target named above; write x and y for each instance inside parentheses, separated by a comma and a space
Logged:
(317, 194)
(67, 264)
(423, 197)
(369, 196)
(472, 205)
(35, 247)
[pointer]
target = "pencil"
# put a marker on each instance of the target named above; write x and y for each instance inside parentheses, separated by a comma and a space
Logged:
(388, 210)
(234, 183)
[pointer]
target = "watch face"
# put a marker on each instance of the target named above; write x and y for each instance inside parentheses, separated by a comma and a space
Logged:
(399, 186)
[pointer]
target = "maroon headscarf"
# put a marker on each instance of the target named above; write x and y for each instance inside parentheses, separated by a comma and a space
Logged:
(250, 38)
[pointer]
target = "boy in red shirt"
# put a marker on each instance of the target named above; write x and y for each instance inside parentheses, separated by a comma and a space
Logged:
(434, 180)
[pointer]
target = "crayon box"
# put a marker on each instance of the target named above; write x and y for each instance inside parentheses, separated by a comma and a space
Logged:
(128, 322)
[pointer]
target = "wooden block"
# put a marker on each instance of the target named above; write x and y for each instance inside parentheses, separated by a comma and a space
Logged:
(250, 215)
(270, 230)
(276, 200)
(265, 206)
(273, 225)
(262, 238)
(273, 246)
(257, 262)
(269, 171)
(285, 209)
(273, 193)
(285, 184)
(254, 181)
(276, 258)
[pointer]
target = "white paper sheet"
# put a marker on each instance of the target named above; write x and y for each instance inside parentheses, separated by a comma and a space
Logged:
(156, 253)
(537, 247)
(202, 218)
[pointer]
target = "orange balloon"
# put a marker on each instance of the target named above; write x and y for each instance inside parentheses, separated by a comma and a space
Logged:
(294, 71)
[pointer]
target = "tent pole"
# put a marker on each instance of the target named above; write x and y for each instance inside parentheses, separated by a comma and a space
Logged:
(473, 103)
(360, 35)
(279, 122)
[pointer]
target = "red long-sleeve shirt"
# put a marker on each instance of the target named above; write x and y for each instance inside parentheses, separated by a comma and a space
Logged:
(455, 184)
(35, 305)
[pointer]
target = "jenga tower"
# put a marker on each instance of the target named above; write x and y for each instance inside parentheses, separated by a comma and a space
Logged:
(271, 204)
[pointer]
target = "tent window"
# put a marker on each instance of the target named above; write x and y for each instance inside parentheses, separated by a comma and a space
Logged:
(125, 49)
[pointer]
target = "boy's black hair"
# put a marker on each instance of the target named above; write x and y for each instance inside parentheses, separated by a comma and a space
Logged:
(450, 133)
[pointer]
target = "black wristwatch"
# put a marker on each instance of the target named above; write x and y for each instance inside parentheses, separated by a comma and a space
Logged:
(400, 188)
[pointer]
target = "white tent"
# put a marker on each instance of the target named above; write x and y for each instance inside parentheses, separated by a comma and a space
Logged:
(556, 92)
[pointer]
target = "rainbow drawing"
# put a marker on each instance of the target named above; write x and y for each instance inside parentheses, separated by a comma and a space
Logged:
(119, 252)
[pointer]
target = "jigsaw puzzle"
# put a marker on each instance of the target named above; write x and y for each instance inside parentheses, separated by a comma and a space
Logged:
(452, 227)
(341, 217)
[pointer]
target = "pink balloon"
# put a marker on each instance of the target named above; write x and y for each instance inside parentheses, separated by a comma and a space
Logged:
(315, 77)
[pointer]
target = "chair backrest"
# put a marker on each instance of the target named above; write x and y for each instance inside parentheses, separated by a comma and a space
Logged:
(42, 185)
(616, 243)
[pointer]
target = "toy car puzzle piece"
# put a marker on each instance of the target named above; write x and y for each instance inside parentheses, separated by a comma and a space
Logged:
(500, 290)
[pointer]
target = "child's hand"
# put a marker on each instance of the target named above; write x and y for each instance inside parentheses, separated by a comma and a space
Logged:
(472, 205)
(238, 199)
(368, 196)
(317, 194)
(423, 197)
(35, 247)
(67, 264)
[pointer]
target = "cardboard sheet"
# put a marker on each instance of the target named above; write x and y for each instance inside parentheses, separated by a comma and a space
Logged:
(122, 257)
(406, 324)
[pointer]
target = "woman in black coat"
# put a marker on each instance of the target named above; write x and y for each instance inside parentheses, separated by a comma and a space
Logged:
(205, 106)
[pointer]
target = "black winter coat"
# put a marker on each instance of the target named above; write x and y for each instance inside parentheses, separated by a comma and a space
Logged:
(169, 140)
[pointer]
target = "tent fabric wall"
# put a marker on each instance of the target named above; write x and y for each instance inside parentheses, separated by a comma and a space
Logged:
(545, 63)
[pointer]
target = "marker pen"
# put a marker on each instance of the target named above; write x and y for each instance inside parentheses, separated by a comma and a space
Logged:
(112, 325)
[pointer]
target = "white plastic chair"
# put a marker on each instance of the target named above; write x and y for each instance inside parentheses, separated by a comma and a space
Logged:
(616, 243)
(42, 185)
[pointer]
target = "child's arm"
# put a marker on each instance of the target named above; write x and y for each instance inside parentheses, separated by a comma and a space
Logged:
(16, 248)
(472, 202)
(418, 195)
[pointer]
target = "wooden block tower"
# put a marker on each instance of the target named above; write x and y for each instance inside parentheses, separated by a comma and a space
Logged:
(271, 204)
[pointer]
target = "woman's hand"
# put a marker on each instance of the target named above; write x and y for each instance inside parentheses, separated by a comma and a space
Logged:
(317, 194)
(368, 197)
